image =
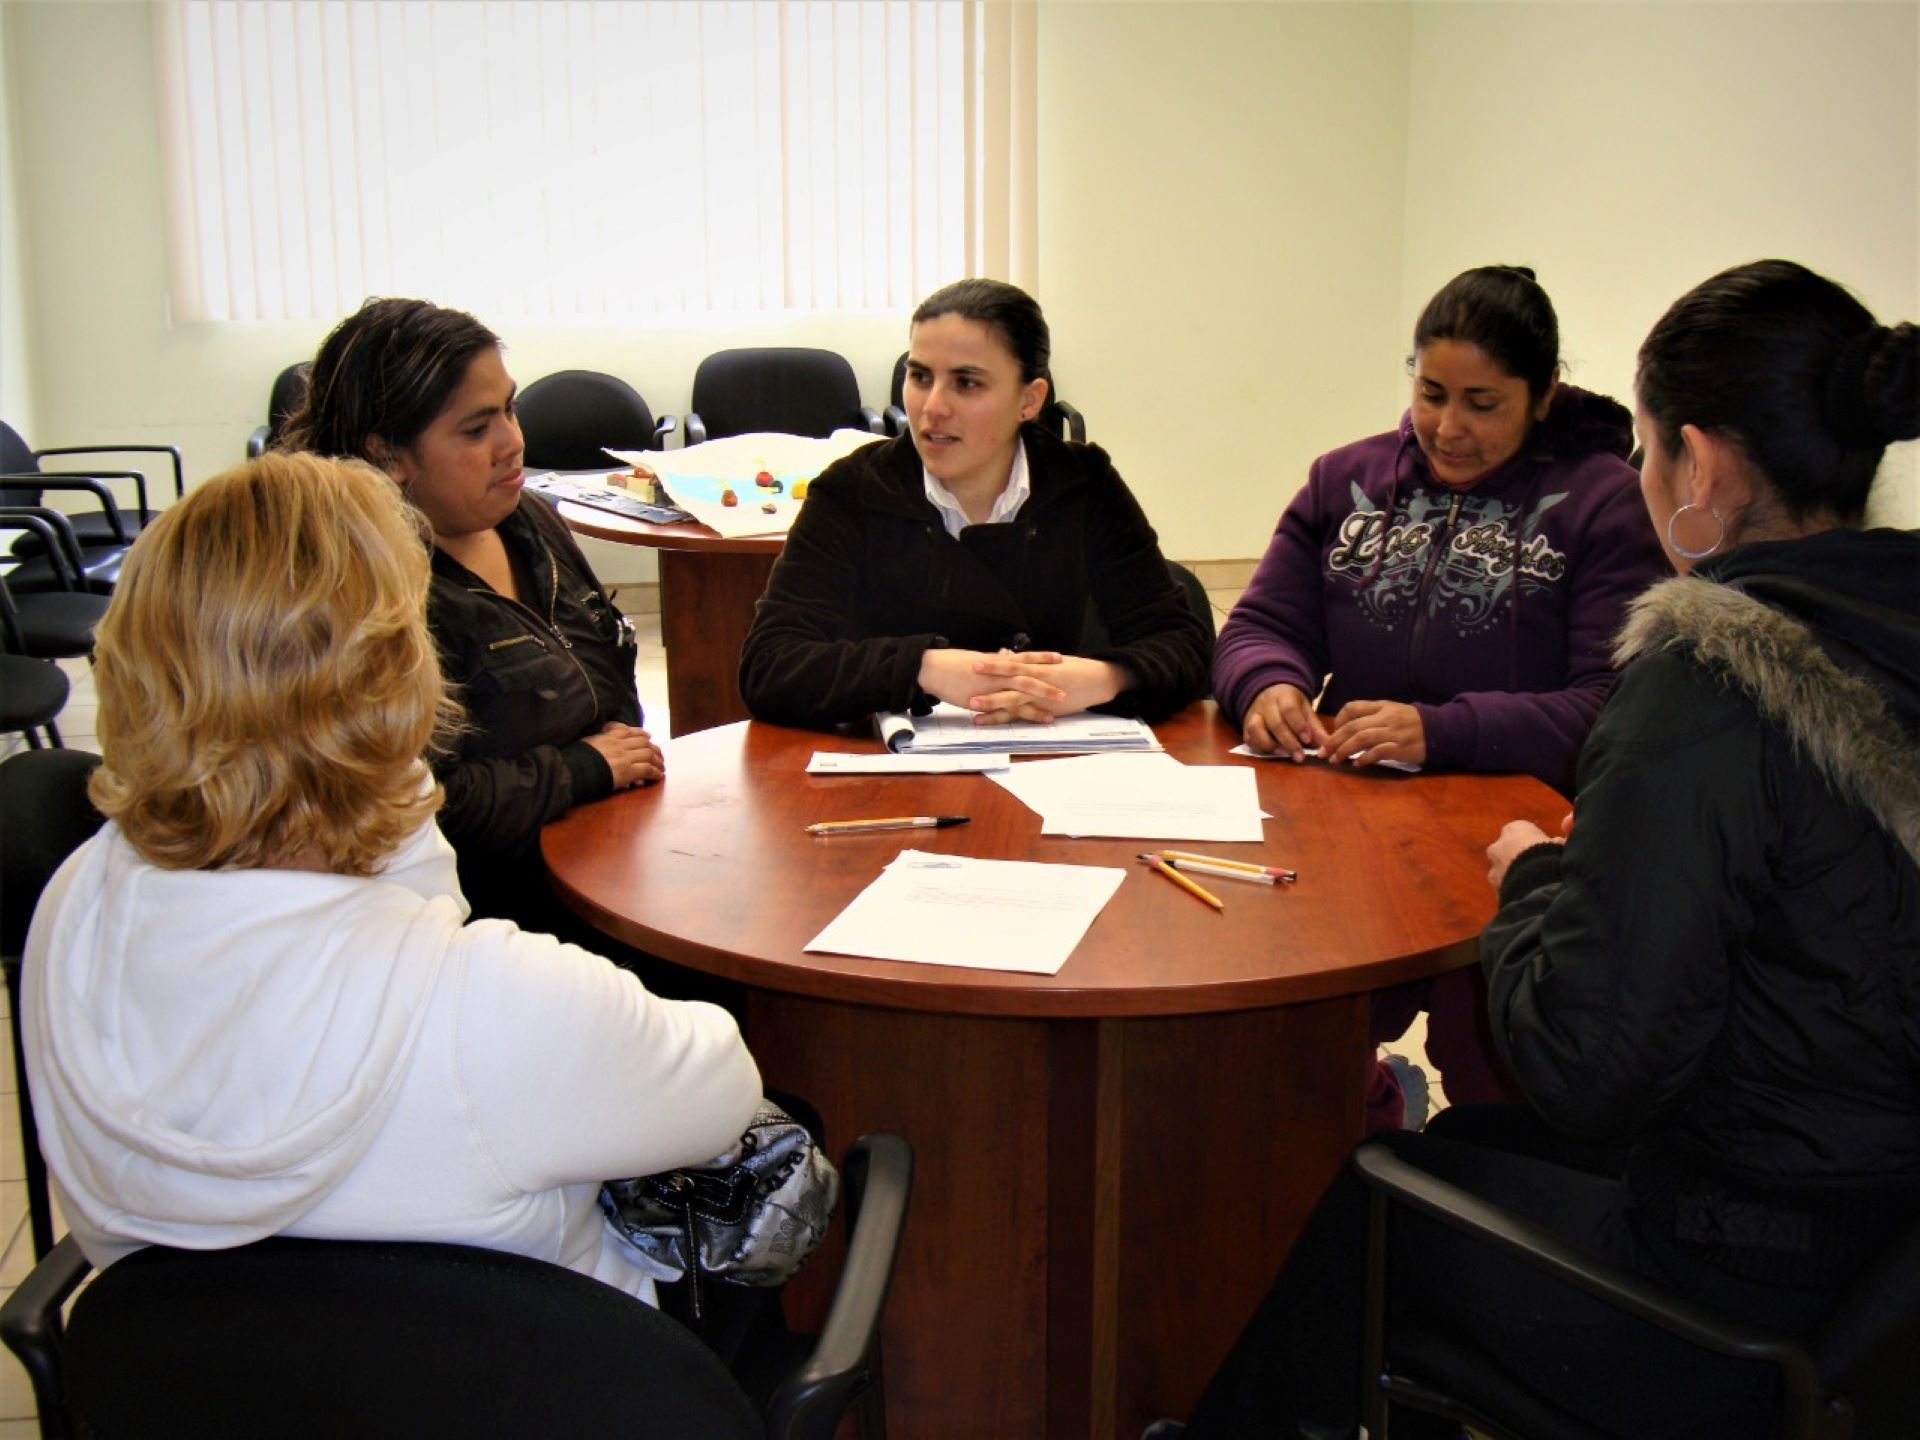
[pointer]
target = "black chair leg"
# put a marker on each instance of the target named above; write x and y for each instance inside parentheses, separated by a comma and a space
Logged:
(39, 1198)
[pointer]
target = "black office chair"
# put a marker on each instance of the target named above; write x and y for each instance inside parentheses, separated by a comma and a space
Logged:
(32, 695)
(1056, 415)
(572, 418)
(322, 1338)
(97, 567)
(1856, 1379)
(45, 816)
(792, 391)
(55, 624)
(22, 482)
(288, 395)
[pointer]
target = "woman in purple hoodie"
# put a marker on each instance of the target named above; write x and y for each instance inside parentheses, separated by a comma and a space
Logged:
(1456, 585)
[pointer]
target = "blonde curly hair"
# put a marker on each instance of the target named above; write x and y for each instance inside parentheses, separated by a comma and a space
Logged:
(268, 688)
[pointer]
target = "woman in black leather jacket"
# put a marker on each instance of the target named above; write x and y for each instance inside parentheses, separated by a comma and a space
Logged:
(529, 640)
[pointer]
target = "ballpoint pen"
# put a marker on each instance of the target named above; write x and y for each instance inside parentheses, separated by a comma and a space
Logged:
(1234, 869)
(901, 822)
(1153, 862)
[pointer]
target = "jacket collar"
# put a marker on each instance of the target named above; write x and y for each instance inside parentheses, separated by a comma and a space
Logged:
(895, 483)
(1834, 716)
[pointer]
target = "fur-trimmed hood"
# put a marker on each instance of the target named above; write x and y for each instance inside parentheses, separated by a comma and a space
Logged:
(1823, 634)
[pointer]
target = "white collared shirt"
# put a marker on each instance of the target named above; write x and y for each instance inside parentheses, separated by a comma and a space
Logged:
(1006, 504)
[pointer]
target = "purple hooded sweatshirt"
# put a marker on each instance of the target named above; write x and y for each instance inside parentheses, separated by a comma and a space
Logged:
(1405, 590)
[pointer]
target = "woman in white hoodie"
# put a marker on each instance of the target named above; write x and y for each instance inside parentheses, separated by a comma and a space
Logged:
(252, 1005)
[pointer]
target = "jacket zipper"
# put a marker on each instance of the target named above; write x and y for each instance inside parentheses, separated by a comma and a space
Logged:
(553, 628)
(1417, 634)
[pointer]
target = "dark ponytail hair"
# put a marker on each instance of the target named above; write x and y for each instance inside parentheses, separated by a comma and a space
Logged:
(386, 372)
(1502, 310)
(1794, 371)
(1005, 309)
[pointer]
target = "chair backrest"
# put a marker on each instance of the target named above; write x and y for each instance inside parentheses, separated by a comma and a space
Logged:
(568, 417)
(790, 390)
(17, 458)
(321, 1338)
(45, 816)
(289, 394)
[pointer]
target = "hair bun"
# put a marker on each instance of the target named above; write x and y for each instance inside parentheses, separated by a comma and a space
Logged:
(1873, 390)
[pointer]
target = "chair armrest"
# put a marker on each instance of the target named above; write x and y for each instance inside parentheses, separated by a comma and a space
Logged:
(695, 432)
(879, 1180)
(172, 452)
(896, 419)
(64, 555)
(1076, 422)
(1394, 1179)
(95, 485)
(32, 1329)
(664, 427)
(139, 484)
(257, 441)
(870, 418)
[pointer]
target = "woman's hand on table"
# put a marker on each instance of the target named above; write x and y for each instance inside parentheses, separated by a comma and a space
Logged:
(1281, 721)
(630, 754)
(1517, 836)
(1366, 732)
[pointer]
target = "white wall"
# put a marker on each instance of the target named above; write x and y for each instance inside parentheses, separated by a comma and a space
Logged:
(1243, 207)
(1627, 152)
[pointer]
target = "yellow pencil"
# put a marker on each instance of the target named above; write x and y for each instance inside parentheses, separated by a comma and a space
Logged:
(1198, 893)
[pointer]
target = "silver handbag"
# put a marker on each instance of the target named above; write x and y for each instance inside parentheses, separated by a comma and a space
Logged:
(750, 1216)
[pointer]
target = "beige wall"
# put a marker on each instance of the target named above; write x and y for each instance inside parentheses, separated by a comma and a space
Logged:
(1220, 222)
(1243, 206)
(1627, 152)
(16, 387)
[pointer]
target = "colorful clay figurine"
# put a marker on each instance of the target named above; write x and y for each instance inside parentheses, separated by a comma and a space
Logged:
(800, 489)
(727, 497)
(769, 508)
(764, 479)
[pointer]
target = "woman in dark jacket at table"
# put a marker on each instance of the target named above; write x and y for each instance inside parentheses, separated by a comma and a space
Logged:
(965, 560)
(1718, 970)
(528, 638)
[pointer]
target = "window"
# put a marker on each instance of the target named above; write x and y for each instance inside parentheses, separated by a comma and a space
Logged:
(556, 158)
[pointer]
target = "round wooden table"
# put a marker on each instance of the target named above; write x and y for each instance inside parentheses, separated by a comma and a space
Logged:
(1111, 1161)
(708, 586)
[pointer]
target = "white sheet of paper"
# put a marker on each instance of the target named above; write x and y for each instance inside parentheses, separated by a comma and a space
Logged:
(1138, 797)
(979, 914)
(834, 762)
(1401, 765)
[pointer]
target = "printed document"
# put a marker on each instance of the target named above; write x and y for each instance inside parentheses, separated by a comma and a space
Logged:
(980, 914)
(950, 728)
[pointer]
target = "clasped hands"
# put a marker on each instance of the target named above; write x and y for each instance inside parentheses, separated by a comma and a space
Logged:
(1281, 721)
(630, 754)
(1032, 685)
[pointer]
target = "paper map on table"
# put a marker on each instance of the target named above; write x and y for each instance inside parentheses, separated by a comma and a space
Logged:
(699, 476)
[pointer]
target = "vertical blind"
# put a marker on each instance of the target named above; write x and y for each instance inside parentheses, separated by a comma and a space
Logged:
(592, 157)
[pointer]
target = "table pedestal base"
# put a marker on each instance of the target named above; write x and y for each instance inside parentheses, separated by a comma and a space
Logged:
(1098, 1204)
(706, 607)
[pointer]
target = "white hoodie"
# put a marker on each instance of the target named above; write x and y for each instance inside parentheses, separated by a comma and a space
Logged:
(221, 1055)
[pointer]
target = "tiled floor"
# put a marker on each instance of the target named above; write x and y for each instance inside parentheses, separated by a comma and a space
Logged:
(76, 729)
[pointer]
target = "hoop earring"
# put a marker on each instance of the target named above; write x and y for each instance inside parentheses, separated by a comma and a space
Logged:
(1682, 550)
